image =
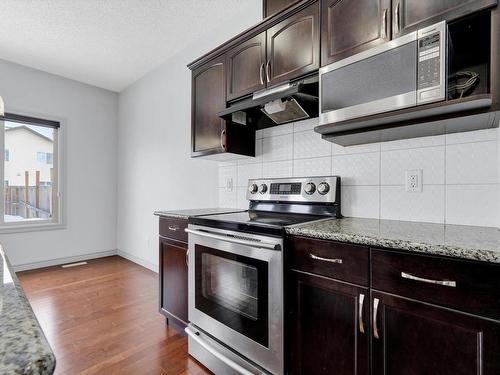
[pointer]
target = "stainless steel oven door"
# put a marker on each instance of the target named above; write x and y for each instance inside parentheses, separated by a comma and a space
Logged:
(236, 292)
(378, 80)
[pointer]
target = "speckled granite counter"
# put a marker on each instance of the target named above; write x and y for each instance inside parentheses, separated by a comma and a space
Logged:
(468, 242)
(186, 214)
(23, 346)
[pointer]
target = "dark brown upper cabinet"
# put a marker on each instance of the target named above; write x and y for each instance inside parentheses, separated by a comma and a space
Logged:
(208, 98)
(409, 15)
(246, 67)
(413, 338)
(351, 26)
(271, 7)
(293, 46)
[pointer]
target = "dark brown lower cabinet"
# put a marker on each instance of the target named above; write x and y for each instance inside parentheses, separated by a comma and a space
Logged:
(329, 326)
(415, 338)
(174, 280)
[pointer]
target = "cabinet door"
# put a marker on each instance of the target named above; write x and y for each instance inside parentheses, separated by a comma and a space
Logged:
(293, 46)
(351, 26)
(408, 15)
(329, 327)
(271, 7)
(413, 338)
(208, 98)
(174, 279)
(245, 67)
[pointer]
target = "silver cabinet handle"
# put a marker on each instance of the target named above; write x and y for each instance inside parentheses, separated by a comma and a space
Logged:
(173, 228)
(396, 15)
(222, 143)
(268, 70)
(261, 68)
(375, 310)
(258, 244)
(229, 362)
(330, 260)
(360, 314)
(449, 283)
(384, 24)
(187, 257)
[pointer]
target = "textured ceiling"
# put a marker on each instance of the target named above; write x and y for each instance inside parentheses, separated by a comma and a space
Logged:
(106, 43)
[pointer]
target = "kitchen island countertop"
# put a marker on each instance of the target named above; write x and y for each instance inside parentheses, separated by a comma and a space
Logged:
(23, 346)
(459, 241)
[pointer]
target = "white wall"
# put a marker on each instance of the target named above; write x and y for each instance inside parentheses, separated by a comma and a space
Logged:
(89, 118)
(461, 173)
(155, 170)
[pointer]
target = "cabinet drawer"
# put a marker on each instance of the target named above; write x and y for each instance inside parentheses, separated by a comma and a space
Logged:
(463, 285)
(171, 227)
(332, 259)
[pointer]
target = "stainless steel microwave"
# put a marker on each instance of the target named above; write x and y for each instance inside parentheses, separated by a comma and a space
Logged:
(405, 72)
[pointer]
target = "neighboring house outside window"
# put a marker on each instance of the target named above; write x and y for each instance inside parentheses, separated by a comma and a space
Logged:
(31, 191)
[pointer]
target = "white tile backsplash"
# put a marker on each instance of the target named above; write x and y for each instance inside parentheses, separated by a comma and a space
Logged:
(430, 160)
(357, 169)
(278, 148)
(312, 167)
(309, 144)
(472, 163)
(461, 173)
(473, 204)
(427, 206)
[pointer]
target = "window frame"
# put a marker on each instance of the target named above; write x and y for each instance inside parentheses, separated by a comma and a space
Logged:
(58, 220)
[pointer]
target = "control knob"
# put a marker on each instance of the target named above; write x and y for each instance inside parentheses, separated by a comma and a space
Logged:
(310, 188)
(262, 188)
(253, 188)
(323, 188)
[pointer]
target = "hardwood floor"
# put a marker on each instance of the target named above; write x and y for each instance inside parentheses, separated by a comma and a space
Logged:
(102, 318)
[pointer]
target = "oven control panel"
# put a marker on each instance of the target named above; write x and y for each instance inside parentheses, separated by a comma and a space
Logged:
(313, 189)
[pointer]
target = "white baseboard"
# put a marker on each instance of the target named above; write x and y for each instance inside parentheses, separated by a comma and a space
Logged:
(151, 266)
(58, 261)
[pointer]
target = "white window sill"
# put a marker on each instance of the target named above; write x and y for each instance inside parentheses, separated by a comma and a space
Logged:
(37, 226)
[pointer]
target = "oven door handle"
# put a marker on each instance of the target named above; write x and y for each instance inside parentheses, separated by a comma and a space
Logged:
(235, 366)
(239, 241)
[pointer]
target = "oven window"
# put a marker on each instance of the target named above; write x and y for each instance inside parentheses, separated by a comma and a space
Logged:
(233, 289)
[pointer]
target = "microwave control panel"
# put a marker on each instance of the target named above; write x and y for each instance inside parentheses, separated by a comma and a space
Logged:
(431, 63)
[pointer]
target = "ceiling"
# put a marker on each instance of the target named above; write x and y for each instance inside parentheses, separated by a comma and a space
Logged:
(106, 43)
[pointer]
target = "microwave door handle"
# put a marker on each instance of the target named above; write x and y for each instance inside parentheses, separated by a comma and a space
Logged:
(235, 366)
(239, 241)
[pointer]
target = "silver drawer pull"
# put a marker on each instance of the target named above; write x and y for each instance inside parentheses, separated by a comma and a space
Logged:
(360, 314)
(449, 283)
(376, 301)
(330, 260)
(173, 228)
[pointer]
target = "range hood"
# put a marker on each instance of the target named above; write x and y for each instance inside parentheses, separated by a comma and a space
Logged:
(278, 105)
(2, 108)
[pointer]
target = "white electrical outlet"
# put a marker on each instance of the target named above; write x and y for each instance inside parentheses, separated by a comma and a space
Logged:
(413, 180)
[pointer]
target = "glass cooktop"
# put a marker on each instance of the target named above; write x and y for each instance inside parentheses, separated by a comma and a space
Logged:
(253, 221)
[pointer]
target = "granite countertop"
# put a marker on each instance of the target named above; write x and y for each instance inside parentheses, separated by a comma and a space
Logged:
(186, 214)
(467, 242)
(23, 346)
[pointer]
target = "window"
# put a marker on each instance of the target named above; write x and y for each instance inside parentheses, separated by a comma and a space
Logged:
(30, 194)
(44, 157)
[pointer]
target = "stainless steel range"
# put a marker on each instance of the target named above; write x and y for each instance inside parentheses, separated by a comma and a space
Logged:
(236, 274)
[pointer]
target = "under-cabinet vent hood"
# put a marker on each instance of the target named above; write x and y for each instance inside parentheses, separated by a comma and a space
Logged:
(278, 105)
